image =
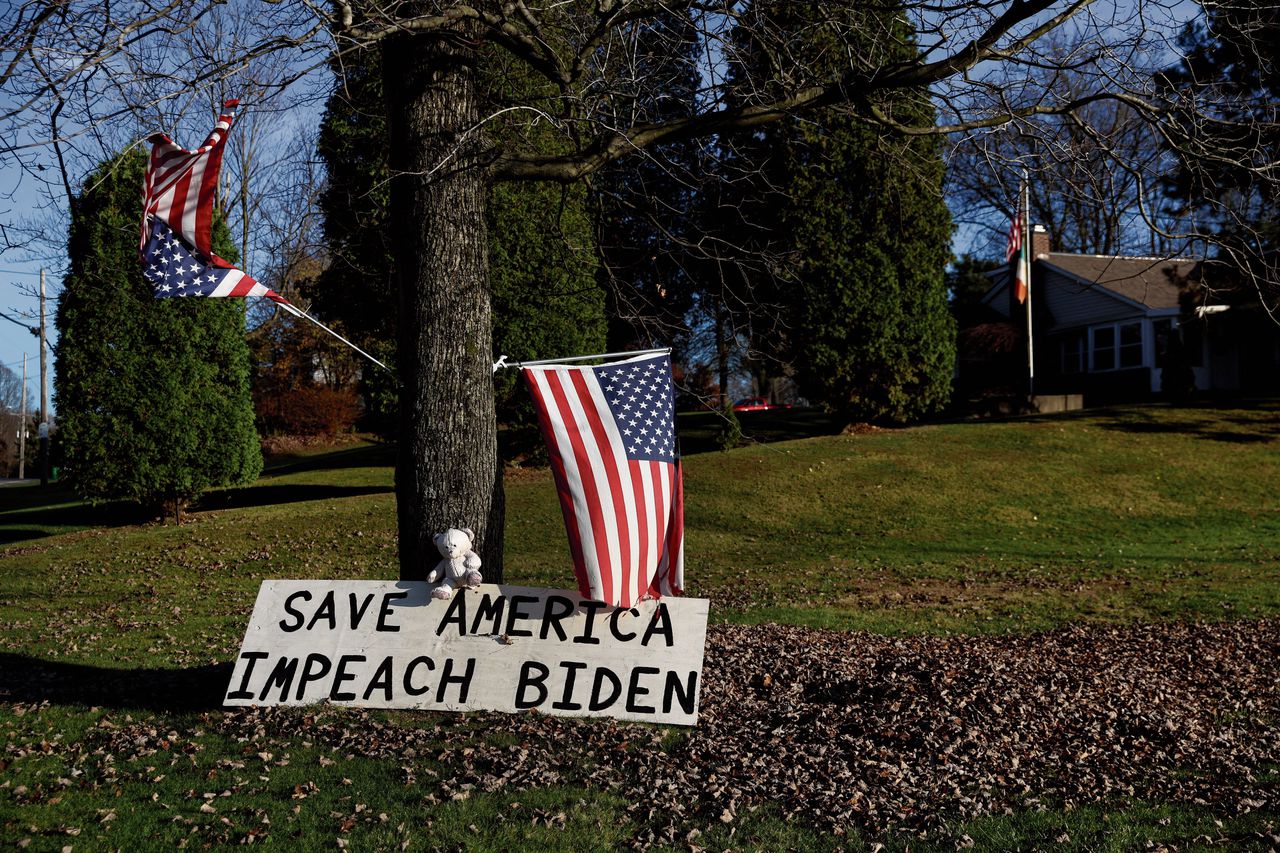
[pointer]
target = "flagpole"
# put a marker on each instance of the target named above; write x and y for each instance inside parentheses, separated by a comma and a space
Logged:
(298, 312)
(502, 361)
(1026, 261)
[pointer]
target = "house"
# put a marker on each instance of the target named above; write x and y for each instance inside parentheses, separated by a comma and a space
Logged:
(1119, 329)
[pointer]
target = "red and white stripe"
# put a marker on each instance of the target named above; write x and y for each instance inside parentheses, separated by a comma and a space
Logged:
(237, 283)
(181, 186)
(624, 517)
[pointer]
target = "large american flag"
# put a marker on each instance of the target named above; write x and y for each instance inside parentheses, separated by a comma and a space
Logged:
(610, 431)
(181, 186)
(174, 270)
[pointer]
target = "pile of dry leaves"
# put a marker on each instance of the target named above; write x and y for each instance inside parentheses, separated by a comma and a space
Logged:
(848, 731)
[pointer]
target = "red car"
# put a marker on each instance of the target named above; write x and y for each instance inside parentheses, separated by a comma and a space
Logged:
(757, 404)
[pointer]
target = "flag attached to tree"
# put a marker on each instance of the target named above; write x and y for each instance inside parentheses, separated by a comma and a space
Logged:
(174, 270)
(177, 220)
(181, 186)
(610, 433)
(178, 196)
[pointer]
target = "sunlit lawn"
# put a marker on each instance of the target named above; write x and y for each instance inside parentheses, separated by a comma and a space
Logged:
(1142, 513)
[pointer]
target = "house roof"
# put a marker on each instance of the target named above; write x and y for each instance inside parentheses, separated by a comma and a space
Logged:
(1153, 282)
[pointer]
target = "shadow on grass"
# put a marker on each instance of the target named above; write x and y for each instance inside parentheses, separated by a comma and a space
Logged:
(1197, 421)
(32, 496)
(10, 535)
(364, 456)
(30, 512)
(36, 522)
(699, 431)
(28, 679)
(252, 496)
(1211, 420)
(45, 512)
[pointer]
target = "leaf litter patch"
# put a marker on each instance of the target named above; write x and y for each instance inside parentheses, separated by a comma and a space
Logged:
(853, 732)
(870, 733)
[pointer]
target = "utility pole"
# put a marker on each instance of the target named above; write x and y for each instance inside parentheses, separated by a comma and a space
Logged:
(44, 391)
(22, 424)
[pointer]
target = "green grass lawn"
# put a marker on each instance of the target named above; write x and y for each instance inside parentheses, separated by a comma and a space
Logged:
(1144, 513)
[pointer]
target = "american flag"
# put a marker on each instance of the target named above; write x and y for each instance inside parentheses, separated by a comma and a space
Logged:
(174, 270)
(181, 186)
(1015, 253)
(610, 432)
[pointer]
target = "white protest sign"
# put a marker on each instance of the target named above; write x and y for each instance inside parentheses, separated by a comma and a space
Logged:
(389, 644)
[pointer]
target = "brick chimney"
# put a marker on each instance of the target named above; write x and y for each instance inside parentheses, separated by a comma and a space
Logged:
(1039, 242)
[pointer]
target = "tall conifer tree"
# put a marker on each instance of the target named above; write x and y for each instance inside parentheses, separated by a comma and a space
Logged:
(152, 394)
(859, 216)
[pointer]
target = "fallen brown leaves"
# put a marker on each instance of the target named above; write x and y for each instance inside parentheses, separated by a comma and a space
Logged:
(848, 731)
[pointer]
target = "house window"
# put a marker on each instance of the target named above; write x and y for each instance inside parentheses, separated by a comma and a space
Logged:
(1131, 345)
(1073, 352)
(1104, 348)
(1118, 346)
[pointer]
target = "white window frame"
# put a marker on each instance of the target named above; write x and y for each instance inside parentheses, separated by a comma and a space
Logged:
(1115, 346)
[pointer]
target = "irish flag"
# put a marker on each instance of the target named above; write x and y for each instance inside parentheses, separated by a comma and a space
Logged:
(1016, 251)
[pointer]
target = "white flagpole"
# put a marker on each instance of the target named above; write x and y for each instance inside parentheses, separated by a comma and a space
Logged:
(298, 312)
(1025, 260)
(502, 361)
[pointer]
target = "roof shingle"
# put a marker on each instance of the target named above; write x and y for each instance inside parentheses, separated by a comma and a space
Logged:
(1153, 282)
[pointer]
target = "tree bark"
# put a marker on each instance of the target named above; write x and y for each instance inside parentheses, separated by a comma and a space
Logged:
(447, 470)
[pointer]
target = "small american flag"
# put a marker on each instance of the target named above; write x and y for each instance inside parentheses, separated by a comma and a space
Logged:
(1015, 253)
(610, 432)
(181, 186)
(174, 270)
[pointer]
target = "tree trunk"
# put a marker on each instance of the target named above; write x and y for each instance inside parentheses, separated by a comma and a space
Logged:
(172, 507)
(447, 471)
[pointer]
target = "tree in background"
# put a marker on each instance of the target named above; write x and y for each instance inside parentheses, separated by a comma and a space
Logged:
(873, 338)
(1095, 173)
(863, 220)
(546, 299)
(357, 287)
(1224, 189)
(304, 380)
(967, 282)
(648, 212)
(988, 346)
(356, 291)
(10, 391)
(745, 288)
(543, 260)
(152, 394)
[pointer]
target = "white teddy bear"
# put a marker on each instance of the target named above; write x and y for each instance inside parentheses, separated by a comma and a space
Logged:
(460, 566)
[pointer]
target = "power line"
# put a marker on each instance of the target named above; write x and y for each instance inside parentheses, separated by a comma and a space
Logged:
(35, 330)
(31, 329)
